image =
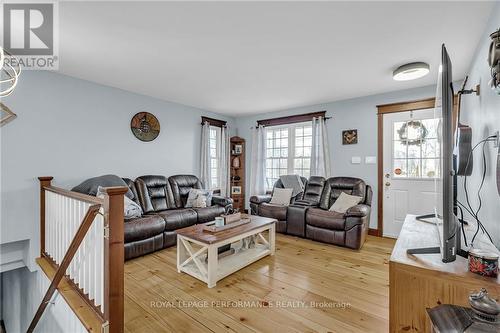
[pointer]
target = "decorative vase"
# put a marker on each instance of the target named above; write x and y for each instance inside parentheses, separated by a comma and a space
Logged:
(236, 162)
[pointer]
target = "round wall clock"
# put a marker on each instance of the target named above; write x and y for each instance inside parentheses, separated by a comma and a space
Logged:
(145, 126)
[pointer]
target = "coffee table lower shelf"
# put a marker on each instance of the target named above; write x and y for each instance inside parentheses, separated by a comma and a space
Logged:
(192, 255)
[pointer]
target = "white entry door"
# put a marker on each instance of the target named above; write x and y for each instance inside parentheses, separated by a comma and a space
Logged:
(411, 164)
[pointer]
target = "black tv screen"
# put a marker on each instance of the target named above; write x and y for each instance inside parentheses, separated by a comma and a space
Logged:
(445, 198)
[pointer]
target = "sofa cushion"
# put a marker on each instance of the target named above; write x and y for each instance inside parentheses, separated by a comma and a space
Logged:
(181, 185)
(154, 193)
(178, 218)
(313, 190)
(325, 219)
(207, 214)
(336, 185)
(277, 212)
(143, 227)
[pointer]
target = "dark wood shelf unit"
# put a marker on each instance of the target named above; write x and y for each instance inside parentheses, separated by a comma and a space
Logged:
(239, 199)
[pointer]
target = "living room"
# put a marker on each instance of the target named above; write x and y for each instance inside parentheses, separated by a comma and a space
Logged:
(250, 166)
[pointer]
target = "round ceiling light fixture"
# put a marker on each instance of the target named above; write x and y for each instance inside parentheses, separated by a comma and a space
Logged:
(412, 71)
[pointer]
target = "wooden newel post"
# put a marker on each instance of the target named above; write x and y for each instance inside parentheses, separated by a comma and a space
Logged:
(44, 182)
(114, 258)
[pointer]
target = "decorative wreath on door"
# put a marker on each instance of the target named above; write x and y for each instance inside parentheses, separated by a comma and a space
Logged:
(413, 125)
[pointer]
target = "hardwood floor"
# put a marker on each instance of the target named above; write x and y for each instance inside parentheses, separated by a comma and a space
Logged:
(342, 291)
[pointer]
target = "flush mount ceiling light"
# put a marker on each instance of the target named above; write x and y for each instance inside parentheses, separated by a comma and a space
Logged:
(411, 71)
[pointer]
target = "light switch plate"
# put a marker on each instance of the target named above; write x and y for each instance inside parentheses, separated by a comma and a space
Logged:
(356, 160)
(371, 159)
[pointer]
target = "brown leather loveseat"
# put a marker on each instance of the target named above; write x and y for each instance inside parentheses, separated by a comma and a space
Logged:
(309, 216)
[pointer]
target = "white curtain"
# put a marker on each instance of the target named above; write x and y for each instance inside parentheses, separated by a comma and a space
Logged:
(320, 153)
(205, 155)
(258, 161)
(224, 174)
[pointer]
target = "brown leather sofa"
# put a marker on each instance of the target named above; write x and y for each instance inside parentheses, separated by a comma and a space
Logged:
(162, 200)
(309, 217)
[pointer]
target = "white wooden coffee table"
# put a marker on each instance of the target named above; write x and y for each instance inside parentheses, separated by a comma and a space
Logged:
(194, 245)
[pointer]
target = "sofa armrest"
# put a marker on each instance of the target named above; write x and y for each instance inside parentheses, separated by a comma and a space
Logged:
(221, 201)
(360, 210)
(258, 199)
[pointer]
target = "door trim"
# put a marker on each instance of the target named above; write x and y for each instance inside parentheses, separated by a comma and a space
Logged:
(381, 110)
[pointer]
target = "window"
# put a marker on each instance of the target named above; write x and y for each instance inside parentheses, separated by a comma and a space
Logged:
(215, 133)
(416, 150)
(288, 151)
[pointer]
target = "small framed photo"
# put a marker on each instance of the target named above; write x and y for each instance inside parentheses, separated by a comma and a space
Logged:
(236, 190)
(238, 149)
(350, 137)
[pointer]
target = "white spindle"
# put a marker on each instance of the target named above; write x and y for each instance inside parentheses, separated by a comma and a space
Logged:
(63, 216)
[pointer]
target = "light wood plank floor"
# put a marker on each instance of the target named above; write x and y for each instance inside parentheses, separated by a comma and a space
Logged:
(306, 287)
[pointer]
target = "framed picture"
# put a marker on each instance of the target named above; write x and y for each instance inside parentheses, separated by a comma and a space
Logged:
(236, 190)
(350, 137)
(238, 149)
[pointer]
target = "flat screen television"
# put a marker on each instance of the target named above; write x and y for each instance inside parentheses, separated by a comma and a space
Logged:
(444, 215)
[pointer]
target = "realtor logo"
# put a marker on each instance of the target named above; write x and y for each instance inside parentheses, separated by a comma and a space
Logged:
(29, 34)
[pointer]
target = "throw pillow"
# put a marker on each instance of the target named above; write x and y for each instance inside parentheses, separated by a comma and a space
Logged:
(281, 196)
(130, 208)
(200, 202)
(193, 195)
(344, 202)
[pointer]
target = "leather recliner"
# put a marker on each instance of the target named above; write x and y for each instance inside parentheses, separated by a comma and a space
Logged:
(182, 184)
(349, 229)
(260, 205)
(143, 234)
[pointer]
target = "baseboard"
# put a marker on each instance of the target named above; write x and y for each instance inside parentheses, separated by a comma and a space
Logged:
(373, 232)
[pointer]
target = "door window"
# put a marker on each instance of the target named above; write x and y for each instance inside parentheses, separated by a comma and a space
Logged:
(415, 149)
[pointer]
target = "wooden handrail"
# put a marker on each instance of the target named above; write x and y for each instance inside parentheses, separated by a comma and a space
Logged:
(61, 271)
(75, 195)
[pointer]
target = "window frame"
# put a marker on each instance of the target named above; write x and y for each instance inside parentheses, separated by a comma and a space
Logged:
(218, 132)
(420, 159)
(290, 158)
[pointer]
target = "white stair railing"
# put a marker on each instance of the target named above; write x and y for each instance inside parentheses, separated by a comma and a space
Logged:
(82, 237)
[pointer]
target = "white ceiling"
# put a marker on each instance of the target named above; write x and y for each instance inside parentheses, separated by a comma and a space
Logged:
(239, 58)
